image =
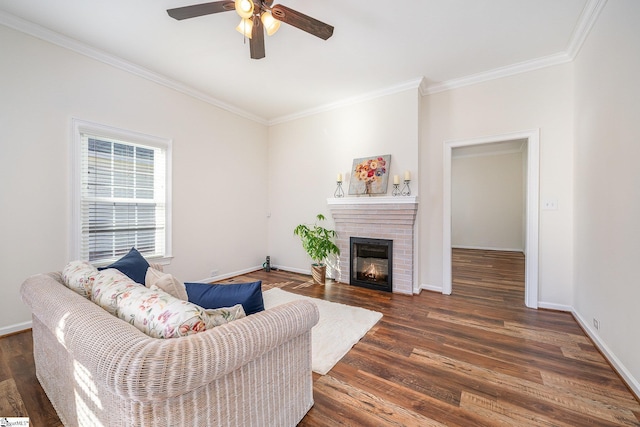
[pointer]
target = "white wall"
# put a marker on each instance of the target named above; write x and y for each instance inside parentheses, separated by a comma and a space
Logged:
(230, 172)
(539, 99)
(305, 156)
(219, 165)
(607, 185)
(487, 202)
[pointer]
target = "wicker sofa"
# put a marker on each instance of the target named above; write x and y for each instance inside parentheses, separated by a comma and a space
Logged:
(98, 370)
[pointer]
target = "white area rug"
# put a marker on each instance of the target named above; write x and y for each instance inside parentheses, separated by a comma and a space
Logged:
(340, 327)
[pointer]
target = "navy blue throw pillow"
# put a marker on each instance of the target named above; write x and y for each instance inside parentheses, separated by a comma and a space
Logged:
(218, 296)
(132, 264)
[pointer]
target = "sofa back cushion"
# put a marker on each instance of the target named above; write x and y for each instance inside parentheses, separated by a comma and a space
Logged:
(153, 311)
(79, 277)
(224, 295)
(132, 264)
(166, 282)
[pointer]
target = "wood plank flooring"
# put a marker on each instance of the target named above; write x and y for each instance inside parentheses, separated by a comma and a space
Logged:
(476, 358)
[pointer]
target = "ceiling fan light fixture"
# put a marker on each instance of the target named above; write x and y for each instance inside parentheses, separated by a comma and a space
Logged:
(270, 23)
(258, 17)
(245, 27)
(244, 8)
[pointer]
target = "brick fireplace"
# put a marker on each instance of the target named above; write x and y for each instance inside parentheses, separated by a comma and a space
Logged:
(390, 218)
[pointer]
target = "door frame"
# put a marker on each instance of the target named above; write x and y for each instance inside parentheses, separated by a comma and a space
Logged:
(532, 208)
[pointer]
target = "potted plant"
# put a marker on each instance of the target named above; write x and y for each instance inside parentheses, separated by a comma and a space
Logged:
(317, 241)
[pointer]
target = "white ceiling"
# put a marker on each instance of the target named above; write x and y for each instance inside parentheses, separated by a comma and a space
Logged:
(377, 46)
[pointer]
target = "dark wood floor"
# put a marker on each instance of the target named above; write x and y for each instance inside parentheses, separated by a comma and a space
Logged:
(476, 358)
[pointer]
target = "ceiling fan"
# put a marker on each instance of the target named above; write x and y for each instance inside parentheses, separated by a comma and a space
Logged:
(257, 16)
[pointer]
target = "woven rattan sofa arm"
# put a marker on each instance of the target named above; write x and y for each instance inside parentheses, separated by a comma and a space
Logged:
(131, 364)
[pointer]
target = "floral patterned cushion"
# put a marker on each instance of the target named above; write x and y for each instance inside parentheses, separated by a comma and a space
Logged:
(153, 311)
(79, 277)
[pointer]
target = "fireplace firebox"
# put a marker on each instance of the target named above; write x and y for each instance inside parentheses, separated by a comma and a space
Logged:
(371, 263)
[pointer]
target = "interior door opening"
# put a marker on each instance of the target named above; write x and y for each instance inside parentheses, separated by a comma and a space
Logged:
(531, 210)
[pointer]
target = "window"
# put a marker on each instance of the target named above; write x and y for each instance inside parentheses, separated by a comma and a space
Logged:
(121, 194)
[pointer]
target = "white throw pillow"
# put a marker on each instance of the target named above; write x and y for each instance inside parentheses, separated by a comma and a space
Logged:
(166, 282)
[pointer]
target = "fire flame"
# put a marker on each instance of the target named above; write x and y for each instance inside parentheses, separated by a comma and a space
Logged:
(371, 272)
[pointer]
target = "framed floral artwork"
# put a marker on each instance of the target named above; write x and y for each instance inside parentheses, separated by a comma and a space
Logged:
(370, 175)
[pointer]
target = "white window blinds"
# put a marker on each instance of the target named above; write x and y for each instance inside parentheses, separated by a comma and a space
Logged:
(123, 197)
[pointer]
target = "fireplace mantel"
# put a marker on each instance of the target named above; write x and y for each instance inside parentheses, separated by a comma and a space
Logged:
(383, 200)
(381, 217)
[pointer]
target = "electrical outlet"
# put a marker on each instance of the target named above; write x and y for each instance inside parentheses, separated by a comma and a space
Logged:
(550, 205)
(214, 272)
(596, 324)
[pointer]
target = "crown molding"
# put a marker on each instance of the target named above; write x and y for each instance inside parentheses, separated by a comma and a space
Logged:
(424, 87)
(50, 36)
(401, 87)
(45, 34)
(498, 73)
(588, 18)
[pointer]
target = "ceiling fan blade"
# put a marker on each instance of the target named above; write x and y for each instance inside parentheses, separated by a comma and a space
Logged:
(256, 44)
(302, 21)
(201, 9)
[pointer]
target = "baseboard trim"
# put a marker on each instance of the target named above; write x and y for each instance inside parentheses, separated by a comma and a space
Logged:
(486, 248)
(251, 270)
(12, 329)
(431, 288)
(256, 268)
(553, 306)
(632, 383)
(292, 269)
(300, 271)
(228, 275)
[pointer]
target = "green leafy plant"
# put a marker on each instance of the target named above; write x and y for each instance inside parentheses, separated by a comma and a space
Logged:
(317, 241)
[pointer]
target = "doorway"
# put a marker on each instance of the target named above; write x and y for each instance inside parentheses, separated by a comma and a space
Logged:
(531, 210)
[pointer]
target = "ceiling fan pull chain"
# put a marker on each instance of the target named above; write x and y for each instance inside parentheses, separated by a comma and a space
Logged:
(244, 32)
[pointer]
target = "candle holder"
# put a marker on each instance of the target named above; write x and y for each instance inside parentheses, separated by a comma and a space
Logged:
(339, 192)
(396, 190)
(406, 191)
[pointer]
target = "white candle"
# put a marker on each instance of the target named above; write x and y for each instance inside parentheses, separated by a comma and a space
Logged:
(396, 179)
(407, 176)
(339, 179)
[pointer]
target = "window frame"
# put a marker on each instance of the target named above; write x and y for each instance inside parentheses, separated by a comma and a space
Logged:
(80, 127)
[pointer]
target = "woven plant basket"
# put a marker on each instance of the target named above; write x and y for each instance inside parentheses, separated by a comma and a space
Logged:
(319, 273)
